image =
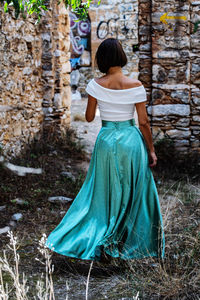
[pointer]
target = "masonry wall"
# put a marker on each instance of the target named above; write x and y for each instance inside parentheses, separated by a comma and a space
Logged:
(169, 68)
(34, 71)
(20, 84)
(35, 67)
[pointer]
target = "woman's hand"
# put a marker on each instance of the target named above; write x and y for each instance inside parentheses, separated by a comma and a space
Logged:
(152, 159)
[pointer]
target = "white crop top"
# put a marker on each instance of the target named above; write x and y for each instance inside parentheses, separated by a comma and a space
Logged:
(116, 105)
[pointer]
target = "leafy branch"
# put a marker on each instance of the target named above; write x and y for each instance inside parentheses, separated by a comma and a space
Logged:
(29, 7)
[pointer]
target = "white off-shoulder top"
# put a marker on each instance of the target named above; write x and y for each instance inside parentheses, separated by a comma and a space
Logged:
(116, 105)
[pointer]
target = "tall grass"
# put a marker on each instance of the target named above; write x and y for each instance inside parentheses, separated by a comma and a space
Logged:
(16, 284)
(178, 275)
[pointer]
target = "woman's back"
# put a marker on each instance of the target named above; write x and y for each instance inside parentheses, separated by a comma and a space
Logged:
(116, 104)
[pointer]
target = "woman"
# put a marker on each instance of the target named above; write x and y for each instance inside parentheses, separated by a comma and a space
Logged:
(117, 209)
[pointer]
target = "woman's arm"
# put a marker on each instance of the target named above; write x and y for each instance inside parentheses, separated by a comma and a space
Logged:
(91, 109)
(146, 131)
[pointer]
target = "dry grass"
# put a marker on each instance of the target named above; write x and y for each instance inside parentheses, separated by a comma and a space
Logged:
(16, 285)
(178, 275)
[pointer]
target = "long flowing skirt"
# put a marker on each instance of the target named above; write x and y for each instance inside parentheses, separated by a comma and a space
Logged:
(117, 208)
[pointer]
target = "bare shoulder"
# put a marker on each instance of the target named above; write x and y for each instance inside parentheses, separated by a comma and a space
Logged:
(100, 79)
(131, 83)
(118, 82)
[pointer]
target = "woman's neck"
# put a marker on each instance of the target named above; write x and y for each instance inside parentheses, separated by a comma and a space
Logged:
(114, 70)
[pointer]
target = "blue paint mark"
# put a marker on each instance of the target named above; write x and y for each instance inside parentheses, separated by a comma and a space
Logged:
(75, 62)
(84, 42)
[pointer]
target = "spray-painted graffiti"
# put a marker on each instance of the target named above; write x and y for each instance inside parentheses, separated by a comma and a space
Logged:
(80, 40)
(115, 27)
(165, 17)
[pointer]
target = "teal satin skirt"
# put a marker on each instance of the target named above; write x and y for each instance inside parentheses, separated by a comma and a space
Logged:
(117, 208)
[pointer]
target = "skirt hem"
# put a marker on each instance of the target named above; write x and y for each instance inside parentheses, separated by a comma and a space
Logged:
(99, 258)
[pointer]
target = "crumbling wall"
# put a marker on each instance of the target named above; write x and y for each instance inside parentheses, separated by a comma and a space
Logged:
(20, 84)
(161, 40)
(34, 70)
(169, 68)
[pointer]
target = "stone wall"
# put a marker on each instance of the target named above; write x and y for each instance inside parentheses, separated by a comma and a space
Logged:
(34, 70)
(118, 19)
(35, 67)
(169, 68)
(20, 85)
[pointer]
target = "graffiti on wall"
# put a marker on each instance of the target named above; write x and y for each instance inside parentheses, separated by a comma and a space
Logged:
(115, 27)
(80, 41)
(164, 19)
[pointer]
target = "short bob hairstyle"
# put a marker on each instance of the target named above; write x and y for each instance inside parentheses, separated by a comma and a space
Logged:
(110, 54)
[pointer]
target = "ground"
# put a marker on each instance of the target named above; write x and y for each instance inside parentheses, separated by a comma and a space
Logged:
(177, 277)
(87, 132)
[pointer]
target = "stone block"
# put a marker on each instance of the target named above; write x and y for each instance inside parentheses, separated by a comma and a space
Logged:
(178, 134)
(66, 45)
(66, 79)
(28, 38)
(172, 86)
(195, 68)
(66, 96)
(169, 109)
(196, 100)
(27, 71)
(75, 77)
(46, 36)
(166, 54)
(157, 94)
(183, 122)
(57, 100)
(196, 119)
(76, 96)
(125, 8)
(17, 130)
(172, 74)
(62, 9)
(181, 95)
(85, 59)
(47, 66)
(66, 67)
(159, 73)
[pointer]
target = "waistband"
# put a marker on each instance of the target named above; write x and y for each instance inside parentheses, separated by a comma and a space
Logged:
(118, 124)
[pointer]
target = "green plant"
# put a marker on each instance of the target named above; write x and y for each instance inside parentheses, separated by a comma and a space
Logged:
(38, 6)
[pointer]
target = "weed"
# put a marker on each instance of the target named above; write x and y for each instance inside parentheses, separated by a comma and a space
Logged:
(16, 284)
(6, 189)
